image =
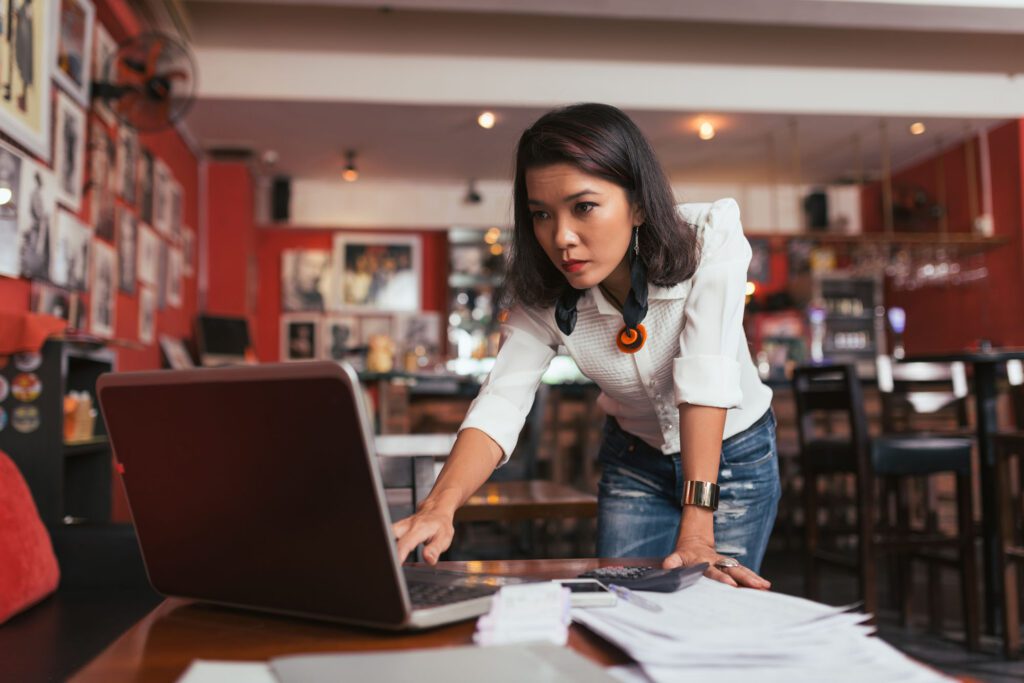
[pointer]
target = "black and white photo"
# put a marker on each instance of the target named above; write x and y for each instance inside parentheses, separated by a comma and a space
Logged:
(162, 181)
(304, 279)
(103, 153)
(149, 255)
(127, 162)
(339, 334)
(103, 292)
(69, 152)
(147, 314)
(175, 264)
(74, 48)
(127, 244)
(10, 201)
(145, 186)
(104, 49)
(35, 219)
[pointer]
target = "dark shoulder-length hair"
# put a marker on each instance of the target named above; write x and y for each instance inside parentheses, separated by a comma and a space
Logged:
(602, 141)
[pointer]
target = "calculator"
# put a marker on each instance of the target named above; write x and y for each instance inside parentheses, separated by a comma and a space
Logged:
(653, 579)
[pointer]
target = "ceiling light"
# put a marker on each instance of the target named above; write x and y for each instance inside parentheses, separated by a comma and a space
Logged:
(486, 119)
(751, 288)
(5, 195)
(492, 235)
(916, 128)
(496, 249)
(706, 131)
(350, 174)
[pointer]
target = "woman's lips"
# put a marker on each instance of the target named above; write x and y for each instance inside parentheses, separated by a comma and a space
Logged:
(573, 266)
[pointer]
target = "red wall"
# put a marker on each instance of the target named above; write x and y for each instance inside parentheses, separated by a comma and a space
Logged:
(231, 242)
(272, 241)
(949, 317)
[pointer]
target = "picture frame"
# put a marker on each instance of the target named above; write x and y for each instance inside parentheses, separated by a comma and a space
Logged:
(162, 182)
(175, 266)
(300, 335)
(419, 330)
(10, 180)
(305, 279)
(371, 325)
(69, 251)
(175, 353)
(103, 290)
(103, 50)
(102, 179)
(127, 163)
(50, 300)
(147, 314)
(339, 334)
(149, 255)
(188, 248)
(38, 200)
(27, 117)
(127, 249)
(73, 63)
(69, 151)
(376, 271)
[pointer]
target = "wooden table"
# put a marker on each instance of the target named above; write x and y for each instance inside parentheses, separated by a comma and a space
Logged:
(533, 499)
(160, 647)
(984, 364)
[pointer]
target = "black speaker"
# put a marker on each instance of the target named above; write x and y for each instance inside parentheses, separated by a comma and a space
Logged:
(281, 199)
(816, 208)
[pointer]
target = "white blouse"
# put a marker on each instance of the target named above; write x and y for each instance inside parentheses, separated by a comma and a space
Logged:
(696, 350)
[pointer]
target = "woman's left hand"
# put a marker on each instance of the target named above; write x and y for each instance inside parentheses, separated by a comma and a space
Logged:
(691, 551)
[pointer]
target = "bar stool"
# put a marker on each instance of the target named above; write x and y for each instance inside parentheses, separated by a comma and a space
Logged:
(827, 391)
(1009, 447)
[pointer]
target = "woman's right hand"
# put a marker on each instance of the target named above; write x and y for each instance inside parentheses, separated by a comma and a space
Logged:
(431, 526)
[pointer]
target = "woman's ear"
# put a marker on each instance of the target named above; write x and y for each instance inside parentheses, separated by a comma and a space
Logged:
(638, 215)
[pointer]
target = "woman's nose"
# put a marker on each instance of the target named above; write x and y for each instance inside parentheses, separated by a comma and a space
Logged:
(565, 235)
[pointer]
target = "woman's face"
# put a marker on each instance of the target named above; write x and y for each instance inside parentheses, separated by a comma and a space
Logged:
(583, 223)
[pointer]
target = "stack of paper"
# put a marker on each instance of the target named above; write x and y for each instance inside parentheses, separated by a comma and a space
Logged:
(731, 634)
(533, 611)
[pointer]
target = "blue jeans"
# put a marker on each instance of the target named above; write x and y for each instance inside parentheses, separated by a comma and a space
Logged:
(640, 489)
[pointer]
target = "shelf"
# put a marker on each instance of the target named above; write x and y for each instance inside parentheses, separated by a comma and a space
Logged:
(949, 239)
(462, 280)
(97, 444)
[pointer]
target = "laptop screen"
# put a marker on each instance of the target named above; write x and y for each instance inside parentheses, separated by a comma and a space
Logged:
(254, 486)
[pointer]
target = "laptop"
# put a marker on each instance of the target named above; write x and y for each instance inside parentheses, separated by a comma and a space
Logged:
(258, 487)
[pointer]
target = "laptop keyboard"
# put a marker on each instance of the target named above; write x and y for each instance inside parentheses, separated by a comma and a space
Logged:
(423, 594)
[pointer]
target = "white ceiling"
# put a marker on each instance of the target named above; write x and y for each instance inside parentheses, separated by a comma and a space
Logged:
(311, 79)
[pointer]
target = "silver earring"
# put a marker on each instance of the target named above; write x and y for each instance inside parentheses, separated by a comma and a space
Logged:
(636, 240)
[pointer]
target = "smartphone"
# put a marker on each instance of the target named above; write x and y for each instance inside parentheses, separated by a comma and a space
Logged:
(588, 593)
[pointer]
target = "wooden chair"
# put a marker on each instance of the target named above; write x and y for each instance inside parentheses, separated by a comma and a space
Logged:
(1009, 447)
(828, 391)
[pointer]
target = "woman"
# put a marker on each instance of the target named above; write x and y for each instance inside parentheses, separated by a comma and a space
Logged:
(648, 299)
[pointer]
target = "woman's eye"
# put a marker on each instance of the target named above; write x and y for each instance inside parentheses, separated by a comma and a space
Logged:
(585, 207)
(539, 215)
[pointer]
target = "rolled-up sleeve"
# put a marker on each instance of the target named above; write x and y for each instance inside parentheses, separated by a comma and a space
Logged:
(505, 398)
(707, 371)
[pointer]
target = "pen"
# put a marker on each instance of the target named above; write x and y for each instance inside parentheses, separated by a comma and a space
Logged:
(630, 596)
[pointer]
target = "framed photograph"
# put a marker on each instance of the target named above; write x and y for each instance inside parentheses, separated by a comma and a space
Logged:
(419, 332)
(339, 333)
(147, 314)
(149, 255)
(28, 51)
(35, 219)
(373, 325)
(66, 269)
(127, 162)
(299, 336)
(102, 293)
(127, 246)
(102, 177)
(74, 48)
(175, 353)
(175, 206)
(145, 186)
(376, 272)
(305, 279)
(69, 152)
(175, 266)
(104, 50)
(162, 280)
(188, 248)
(10, 186)
(50, 300)
(162, 180)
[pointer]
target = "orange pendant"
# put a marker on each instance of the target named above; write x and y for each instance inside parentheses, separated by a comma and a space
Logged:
(631, 341)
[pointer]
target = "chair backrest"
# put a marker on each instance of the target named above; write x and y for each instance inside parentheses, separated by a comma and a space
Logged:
(918, 396)
(825, 391)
